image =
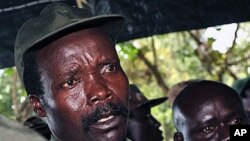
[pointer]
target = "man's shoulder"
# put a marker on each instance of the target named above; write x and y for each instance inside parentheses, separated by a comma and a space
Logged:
(11, 130)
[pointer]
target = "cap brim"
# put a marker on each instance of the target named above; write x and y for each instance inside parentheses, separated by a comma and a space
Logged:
(153, 102)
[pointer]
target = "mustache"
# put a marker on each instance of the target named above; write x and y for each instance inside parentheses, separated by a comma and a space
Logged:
(100, 112)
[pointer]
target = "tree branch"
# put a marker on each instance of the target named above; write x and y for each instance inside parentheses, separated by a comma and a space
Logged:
(196, 39)
(202, 53)
(154, 52)
(154, 71)
(226, 64)
(234, 41)
(239, 61)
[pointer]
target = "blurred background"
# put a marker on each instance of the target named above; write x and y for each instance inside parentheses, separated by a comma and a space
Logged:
(157, 58)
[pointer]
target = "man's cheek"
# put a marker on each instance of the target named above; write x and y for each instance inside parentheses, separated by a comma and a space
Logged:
(75, 102)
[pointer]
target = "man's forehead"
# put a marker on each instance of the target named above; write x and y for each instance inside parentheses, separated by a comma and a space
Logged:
(208, 89)
(217, 105)
(196, 96)
(201, 99)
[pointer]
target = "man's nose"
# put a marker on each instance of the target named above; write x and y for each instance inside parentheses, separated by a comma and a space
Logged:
(154, 121)
(98, 91)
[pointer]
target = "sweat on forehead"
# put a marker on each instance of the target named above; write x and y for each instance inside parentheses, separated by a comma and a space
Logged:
(204, 90)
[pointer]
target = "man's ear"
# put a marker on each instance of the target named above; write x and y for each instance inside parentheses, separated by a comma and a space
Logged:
(36, 103)
(178, 136)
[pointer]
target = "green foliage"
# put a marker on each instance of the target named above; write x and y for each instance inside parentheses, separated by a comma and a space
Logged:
(128, 51)
(5, 93)
(8, 80)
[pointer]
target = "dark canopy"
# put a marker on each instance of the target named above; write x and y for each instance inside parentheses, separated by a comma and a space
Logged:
(144, 17)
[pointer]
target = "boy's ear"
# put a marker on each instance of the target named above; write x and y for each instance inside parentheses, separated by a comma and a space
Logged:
(178, 136)
(35, 102)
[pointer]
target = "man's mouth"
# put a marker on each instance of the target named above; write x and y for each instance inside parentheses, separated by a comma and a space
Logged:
(105, 117)
(108, 123)
(112, 127)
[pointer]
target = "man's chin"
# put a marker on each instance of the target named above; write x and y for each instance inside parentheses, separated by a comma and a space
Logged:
(111, 128)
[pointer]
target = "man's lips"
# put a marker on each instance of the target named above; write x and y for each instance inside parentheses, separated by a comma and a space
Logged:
(105, 117)
(107, 123)
(102, 120)
(110, 128)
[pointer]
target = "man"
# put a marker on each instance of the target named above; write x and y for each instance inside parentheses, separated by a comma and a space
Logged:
(242, 86)
(204, 110)
(67, 60)
(142, 126)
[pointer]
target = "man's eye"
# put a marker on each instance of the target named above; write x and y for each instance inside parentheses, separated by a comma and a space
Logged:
(110, 68)
(70, 83)
(208, 129)
(235, 121)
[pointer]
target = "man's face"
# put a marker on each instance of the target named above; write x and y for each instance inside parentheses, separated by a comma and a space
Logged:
(86, 90)
(142, 126)
(209, 118)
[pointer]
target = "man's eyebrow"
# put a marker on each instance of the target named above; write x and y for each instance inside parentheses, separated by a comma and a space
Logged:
(71, 69)
(69, 56)
(234, 114)
(199, 125)
(108, 61)
(206, 120)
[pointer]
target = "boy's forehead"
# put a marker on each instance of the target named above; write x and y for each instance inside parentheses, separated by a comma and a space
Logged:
(209, 89)
(211, 109)
(196, 97)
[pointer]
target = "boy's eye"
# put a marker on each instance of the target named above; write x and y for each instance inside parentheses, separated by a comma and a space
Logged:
(235, 121)
(208, 129)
